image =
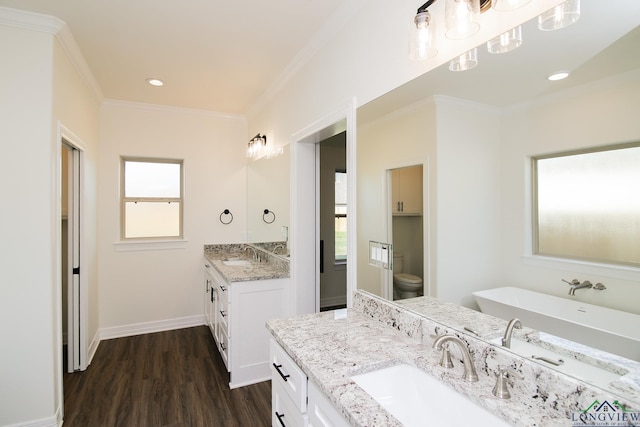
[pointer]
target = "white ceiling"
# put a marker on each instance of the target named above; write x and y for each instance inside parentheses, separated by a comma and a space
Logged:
(214, 55)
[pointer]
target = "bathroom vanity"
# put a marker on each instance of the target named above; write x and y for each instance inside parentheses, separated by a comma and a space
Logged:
(243, 289)
(330, 352)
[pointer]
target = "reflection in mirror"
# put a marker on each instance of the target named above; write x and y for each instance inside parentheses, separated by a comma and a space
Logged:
(268, 189)
(475, 133)
(406, 231)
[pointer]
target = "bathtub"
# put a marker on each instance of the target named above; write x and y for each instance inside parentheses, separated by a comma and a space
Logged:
(607, 329)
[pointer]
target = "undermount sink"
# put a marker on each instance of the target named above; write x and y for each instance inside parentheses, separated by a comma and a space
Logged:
(416, 398)
(581, 370)
(237, 262)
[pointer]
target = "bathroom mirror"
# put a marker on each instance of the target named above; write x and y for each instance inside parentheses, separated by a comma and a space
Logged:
(471, 132)
(268, 189)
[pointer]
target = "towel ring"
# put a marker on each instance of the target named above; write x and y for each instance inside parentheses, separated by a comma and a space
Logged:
(266, 218)
(226, 212)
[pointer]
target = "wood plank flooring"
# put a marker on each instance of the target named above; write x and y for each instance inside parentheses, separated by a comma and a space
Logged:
(174, 379)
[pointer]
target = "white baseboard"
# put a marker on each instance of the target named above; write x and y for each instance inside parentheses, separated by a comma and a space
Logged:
(333, 301)
(150, 327)
(42, 422)
(93, 347)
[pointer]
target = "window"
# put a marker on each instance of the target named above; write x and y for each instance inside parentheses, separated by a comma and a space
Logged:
(341, 217)
(151, 198)
(587, 204)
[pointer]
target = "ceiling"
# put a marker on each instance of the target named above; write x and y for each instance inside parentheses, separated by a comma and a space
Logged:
(214, 55)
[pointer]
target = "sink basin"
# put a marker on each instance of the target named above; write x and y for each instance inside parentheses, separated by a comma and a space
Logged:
(576, 368)
(237, 262)
(416, 398)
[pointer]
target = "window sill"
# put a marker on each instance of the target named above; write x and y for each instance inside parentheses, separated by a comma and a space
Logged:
(149, 245)
(607, 270)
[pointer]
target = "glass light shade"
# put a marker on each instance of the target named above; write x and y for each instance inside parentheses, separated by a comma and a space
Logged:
(464, 62)
(560, 16)
(422, 37)
(506, 41)
(461, 18)
(504, 5)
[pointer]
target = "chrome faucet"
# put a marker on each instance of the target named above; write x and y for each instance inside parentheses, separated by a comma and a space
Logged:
(469, 369)
(255, 253)
(575, 286)
(513, 323)
(278, 246)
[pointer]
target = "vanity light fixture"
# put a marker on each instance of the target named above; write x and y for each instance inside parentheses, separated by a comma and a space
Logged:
(422, 34)
(257, 145)
(506, 42)
(464, 62)
(155, 82)
(559, 75)
(461, 18)
(560, 16)
(505, 5)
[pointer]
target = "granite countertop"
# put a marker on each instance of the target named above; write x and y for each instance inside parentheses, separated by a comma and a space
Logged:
(270, 267)
(330, 351)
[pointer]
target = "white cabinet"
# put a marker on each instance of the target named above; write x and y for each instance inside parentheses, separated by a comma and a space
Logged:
(237, 315)
(406, 189)
(296, 401)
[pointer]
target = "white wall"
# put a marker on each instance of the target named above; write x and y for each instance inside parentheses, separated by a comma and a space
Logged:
(166, 285)
(602, 113)
(27, 229)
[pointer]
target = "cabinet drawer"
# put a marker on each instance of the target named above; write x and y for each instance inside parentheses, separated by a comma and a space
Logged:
(285, 372)
(283, 410)
(223, 313)
(223, 346)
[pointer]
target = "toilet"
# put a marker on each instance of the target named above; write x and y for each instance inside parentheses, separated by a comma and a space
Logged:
(405, 285)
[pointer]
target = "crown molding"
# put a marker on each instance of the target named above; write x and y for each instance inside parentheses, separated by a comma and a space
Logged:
(170, 108)
(51, 25)
(30, 20)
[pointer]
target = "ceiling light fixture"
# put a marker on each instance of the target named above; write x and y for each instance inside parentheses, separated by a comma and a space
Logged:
(505, 5)
(560, 16)
(257, 146)
(560, 75)
(155, 82)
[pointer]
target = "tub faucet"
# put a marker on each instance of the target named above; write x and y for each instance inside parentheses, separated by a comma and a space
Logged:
(513, 323)
(584, 285)
(469, 370)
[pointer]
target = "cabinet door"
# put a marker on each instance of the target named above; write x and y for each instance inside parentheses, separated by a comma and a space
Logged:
(321, 411)
(407, 191)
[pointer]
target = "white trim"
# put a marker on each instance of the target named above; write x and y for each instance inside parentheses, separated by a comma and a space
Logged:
(149, 245)
(167, 108)
(42, 422)
(30, 20)
(93, 347)
(151, 327)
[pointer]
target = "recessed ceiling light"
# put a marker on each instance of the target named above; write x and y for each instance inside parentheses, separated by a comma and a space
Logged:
(558, 76)
(155, 82)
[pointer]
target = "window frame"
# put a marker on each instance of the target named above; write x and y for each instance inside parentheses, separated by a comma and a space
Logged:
(124, 200)
(336, 260)
(534, 245)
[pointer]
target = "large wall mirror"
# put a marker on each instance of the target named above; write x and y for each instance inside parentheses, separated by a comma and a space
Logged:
(268, 197)
(475, 133)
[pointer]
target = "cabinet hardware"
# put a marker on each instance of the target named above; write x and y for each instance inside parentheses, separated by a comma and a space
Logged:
(222, 288)
(284, 377)
(223, 347)
(280, 417)
(212, 297)
(223, 314)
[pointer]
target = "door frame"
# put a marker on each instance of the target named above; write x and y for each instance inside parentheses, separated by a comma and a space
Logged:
(65, 136)
(305, 228)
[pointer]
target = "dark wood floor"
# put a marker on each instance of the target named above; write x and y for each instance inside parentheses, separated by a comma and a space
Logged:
(173, 378)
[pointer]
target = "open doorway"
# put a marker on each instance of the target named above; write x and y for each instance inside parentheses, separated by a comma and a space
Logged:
(305, 200)
(333, 215)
